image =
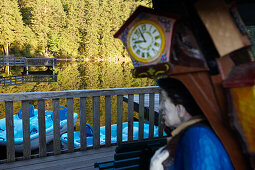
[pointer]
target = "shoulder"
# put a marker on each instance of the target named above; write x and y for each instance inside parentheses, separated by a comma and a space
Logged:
(201, 137)
(199, 131)
(200, 147)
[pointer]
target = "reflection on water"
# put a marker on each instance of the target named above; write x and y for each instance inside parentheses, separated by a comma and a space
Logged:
(84, 75)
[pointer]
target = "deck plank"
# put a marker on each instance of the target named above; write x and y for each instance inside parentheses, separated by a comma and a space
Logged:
(75, 160)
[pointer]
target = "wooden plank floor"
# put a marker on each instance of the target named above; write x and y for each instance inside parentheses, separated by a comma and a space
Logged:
(76, 160)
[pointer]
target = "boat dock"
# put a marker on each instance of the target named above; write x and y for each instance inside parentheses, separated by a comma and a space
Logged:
(27, 62)
(27, 76)
(83, 157)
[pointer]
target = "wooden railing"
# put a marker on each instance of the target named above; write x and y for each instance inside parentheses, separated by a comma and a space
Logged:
(12, 61)
(25, 62)
(16, 80)
(82, 95)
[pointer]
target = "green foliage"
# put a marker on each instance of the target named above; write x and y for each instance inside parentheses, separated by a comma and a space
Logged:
(71, 28)
(63, 28)
(11, 27)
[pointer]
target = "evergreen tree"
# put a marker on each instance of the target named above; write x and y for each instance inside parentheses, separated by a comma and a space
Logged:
(11, 26)
(89, 18)
(70, 37)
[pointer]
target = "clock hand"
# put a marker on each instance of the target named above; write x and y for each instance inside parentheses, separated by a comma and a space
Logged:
(142, 35)
(139, 41)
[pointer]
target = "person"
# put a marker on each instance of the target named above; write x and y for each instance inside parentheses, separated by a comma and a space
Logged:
(193, 144)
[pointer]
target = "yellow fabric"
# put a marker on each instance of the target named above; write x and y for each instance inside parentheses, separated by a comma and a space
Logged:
(244, 101)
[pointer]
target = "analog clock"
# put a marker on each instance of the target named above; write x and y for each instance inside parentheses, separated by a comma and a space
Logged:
(146, 41)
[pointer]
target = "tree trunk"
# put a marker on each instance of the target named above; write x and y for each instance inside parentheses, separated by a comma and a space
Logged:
(7, 49)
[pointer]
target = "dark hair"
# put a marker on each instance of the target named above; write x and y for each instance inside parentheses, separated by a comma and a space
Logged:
(179, 94)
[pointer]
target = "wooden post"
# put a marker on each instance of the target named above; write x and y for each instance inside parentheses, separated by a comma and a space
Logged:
(26, 129)
(42, 132)
(10, 131)
(26, 63)
(141, 117)
(70, 125)
(83, 121)
(130, 116)
(160, 126)
(107, 120)
(119, 118)
(56, 127)
(151, 115)
(96, 122)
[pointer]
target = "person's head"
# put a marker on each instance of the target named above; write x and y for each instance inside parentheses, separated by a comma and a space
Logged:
(177, 104)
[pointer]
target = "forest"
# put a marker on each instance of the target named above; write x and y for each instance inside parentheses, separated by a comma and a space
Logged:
(64, 28)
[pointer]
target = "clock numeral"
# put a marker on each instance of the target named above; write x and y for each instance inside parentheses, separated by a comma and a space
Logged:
(143, 55)
(134, 46)
(137, 33)
(143, 27)
(157, 37)
(155, 51)
(138, 52)
(154, 31)
(156, 44)
(148, 55)
(150, 28)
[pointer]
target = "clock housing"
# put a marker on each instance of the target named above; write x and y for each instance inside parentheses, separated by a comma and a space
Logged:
(147, 36)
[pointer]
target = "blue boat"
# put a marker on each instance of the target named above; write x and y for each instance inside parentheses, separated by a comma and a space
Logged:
(34, 128)
(64, 139)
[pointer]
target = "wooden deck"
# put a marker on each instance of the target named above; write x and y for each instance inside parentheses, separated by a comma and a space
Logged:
(81, 159)
(75, 160)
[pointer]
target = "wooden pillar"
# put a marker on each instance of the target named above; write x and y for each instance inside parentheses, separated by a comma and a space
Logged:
(26, 66)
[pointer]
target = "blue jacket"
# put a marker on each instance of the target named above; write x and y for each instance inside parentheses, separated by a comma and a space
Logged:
(200, 149)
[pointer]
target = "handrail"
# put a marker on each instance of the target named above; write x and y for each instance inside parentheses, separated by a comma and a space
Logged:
(23, 61)
(40, 97)
(76, 93)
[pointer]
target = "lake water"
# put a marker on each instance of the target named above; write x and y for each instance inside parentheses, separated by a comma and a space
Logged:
(82, 75)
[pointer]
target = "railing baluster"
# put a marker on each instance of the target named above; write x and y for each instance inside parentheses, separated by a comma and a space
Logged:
(96, 122)
(26, 129)
(10, 131)
(83, 94)
(70, 125)
(107, 120)
(141, 116)
(160, 126)
(119, 118)
(130, 116)
(42, 133)
(151, 115)
(83, 121)
(56, 127)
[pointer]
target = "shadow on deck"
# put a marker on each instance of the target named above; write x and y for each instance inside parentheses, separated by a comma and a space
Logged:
(75, 160)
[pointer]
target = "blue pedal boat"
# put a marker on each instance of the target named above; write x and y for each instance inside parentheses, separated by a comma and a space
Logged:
(34, 127)
(64, 139)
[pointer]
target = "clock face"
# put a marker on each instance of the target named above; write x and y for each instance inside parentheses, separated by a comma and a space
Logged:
(146, 41)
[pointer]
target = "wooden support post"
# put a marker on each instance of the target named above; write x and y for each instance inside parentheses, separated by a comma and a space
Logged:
(130, 116)
(83, 121)
(141, 117)
(26, 63)
(96, 122)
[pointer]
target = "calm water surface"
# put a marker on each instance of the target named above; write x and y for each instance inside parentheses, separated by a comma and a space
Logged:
(83, 75)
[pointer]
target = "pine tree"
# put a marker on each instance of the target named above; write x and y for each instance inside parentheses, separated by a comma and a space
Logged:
(70, 37)
(11, 26)
(89, 18)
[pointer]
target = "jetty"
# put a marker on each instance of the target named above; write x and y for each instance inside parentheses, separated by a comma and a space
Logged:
(28, 76)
